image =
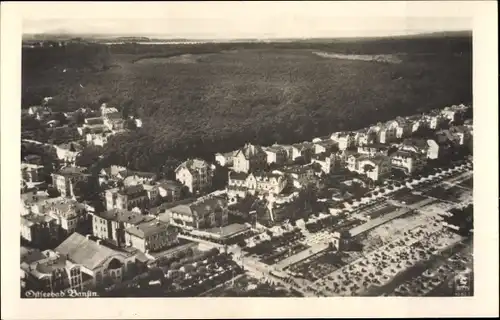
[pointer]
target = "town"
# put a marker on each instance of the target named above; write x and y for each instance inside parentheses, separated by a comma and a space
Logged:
(382, 210)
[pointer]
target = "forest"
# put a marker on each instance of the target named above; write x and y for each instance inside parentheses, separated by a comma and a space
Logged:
(196, 100)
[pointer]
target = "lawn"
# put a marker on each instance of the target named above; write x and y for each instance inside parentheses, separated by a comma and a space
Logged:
(202, 104)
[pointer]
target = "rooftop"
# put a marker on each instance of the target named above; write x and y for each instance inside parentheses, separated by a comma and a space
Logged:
(146, 229)
(72, 170)
(32, 219)
(136, 190)
(193, 164)
(237, 175)
(86, 252)
(124, 216)
(250, 150)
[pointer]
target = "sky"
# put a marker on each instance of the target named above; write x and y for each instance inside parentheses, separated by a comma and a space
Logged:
(245, 20)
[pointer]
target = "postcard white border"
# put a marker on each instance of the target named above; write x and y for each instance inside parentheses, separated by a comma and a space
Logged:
(485, 300)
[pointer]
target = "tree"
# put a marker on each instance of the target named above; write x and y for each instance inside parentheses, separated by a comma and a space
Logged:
(53, 192)
(84, 191)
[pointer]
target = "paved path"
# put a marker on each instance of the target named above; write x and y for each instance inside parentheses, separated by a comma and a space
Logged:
(301, 255)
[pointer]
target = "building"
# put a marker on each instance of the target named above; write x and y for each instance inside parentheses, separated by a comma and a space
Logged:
(195, 174)
(97, 138)
(169, 189)
(326, 161)
(111, 225)
(133, 178)
(240, 183)
(31, 172)
(302, 150)
(407, 161)
(70, 215)
(114, 121)
(201, 214)
(249, 158)
(127, 198)
(344, 140)
(39, 230)
(429, 147)
(225, 159)
(67, 177)
(151, 236)
(268, 183)
(276, 154)
(375, 167)
(389, 132)
(87, 122)
(373, 149)
(322, 146)
(113, 173)
(461, 134)
(68, 152)
(49, 271)
(107, 110)
(101, 265)
(35, 110)
(451, 113)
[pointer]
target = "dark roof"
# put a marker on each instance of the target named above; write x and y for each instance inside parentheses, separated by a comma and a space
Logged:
(170, 184)
(133, 191)
(238, 175)
(419, 143)
(321, 156)
(376, 146)
(201, 207)
(72, 171)
(30, 255)
(86, 252)
(250, 150)
(403, 154)
(113, 116)
(124, 216)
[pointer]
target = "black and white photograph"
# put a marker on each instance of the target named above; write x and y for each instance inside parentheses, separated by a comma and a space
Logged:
(216, 154)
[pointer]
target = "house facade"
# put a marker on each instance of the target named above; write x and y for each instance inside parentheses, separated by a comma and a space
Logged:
(51, 272)
(127, 198)
(111, 225)
(31, 172)
(374, 168)
(66, 179)
(195, 174)
(409, 162)
(101, 265)
(249, 158)
(39, 230)
(70, 215)
(326, 161)
(276, 154)
(201, 214)
(151, 236)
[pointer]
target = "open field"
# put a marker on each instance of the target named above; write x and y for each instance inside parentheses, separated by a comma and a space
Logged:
(195, 100)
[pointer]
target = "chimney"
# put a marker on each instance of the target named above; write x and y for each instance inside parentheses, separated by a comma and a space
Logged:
(99, 241)
(87, 236)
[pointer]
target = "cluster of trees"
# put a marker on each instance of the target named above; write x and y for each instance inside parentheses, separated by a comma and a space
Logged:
(273, 94)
